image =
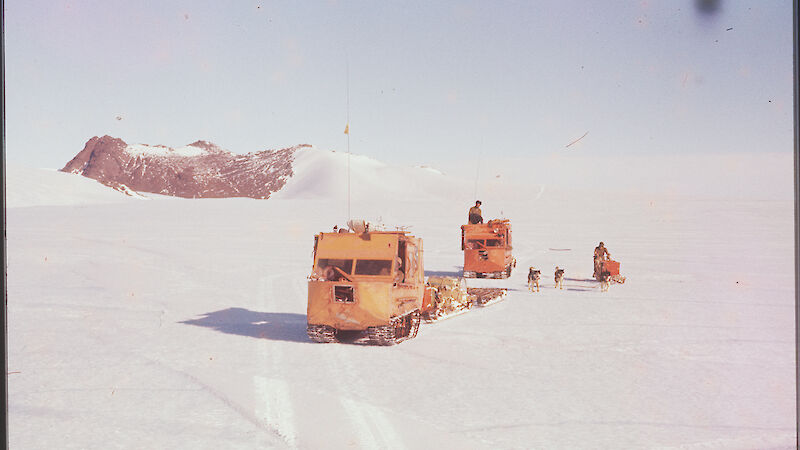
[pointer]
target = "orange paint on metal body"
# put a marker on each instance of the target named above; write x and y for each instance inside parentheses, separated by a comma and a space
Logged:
(365, 300)
(487, 246)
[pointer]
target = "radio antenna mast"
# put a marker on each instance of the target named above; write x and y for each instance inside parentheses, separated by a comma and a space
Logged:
(478, 169)
(347, 132)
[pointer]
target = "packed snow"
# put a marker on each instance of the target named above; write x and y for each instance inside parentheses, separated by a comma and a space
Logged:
(180, 323)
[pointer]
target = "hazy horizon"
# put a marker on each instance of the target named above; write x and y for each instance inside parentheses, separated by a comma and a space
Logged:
(421, 82)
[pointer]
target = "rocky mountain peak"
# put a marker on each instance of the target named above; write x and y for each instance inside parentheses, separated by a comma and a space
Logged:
(198, 170)
(205, 145)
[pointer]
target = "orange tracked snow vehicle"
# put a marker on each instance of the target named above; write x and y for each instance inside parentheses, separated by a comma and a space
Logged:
(364, 281)
(487, 249)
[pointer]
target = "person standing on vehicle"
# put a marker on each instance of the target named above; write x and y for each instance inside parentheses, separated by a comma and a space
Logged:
(475, 215)
(600, 254)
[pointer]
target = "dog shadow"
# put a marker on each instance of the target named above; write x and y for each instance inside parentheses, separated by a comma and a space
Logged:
(261, 325)
(583, 280)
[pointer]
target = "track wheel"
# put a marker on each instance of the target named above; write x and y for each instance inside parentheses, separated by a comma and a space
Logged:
(322, 333)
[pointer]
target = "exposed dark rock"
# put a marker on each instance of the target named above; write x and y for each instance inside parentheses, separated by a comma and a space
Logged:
(199, 170)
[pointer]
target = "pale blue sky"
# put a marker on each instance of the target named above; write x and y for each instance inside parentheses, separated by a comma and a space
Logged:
(429, 80)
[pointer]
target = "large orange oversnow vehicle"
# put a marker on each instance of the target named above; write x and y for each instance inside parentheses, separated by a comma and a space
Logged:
(371, 282)
(487, 249)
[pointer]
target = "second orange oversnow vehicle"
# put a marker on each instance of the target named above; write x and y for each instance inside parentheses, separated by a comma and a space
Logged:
(370, 282)
(487, 249)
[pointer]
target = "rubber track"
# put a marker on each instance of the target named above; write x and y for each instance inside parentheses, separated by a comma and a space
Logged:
(388, 334)
(321, 333)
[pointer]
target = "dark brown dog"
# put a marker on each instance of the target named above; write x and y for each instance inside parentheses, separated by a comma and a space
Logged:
(559, 277)
(605, 280)
(533, 279)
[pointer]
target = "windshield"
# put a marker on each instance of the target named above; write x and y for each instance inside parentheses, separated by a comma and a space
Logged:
(480, 243)
(474, 243)
(373, 267)
(346, 265)
(494, 242)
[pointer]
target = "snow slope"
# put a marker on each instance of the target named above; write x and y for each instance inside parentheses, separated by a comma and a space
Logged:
(39, 187)
(181, 324)
(322, 174)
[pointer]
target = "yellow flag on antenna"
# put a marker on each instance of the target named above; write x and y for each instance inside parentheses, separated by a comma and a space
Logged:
(347, 129)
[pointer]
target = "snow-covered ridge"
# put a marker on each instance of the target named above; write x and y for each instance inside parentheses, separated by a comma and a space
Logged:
(161, 150)
(318, 173)
(197, 170)
(430, 169)
(204, 170)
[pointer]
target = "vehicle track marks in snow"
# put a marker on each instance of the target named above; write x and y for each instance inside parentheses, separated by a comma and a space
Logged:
(372, 428)
(273, 396)
(274, 406)
(214, 391)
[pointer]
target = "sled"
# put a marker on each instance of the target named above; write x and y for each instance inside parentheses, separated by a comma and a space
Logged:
(447, 297)
(612, 267)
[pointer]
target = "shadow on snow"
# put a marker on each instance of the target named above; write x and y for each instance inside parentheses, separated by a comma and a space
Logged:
(261, 325)
(273, 326)
(585, 280)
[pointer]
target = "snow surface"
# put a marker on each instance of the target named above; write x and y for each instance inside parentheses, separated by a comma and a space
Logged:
(181, 324)
(40, 187)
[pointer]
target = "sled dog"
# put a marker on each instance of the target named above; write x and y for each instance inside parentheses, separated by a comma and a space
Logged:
(559, 277)
(605, 280)
(533, 279)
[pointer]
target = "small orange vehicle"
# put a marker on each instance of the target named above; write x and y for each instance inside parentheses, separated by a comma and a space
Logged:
(610, 267)
(368, 282)
(487, 249)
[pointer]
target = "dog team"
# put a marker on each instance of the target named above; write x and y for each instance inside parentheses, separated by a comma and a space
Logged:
(534, 275)
(601, 254)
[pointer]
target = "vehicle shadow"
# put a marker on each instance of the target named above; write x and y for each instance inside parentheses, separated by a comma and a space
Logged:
(261, 325)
